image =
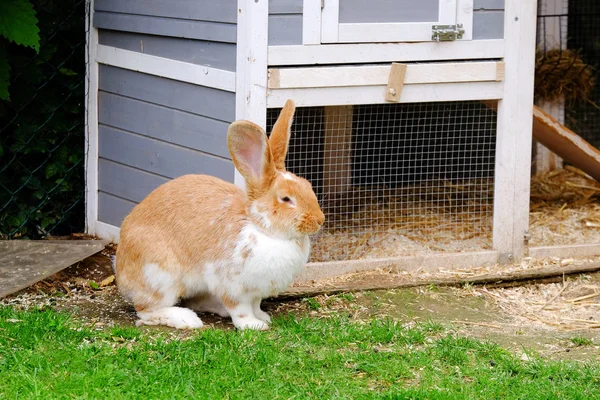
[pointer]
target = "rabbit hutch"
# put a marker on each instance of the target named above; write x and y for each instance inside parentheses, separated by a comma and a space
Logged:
(413, 118)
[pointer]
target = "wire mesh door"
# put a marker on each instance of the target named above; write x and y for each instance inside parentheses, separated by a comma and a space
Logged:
(396, 179)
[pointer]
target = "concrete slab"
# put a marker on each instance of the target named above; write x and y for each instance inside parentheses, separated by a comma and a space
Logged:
(25, 262)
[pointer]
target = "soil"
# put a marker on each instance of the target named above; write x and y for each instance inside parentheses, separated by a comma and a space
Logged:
(511, 317)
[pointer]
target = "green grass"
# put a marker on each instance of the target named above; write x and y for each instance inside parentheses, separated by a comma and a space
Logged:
(45, 355)
(580, 341)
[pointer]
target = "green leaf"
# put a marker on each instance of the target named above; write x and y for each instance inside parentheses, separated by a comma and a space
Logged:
(4, 74)
(67, 72)
(52, 170)
(94, 285)
(18, 23)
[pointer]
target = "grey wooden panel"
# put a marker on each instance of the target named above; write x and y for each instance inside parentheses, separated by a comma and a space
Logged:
(488, 4)
(209, 102)
(199, 10)
(159, 157)
(285, 6)
(184, 28)
(113, 210)
(213, 54)
(488, 25)
(285, 29)
(363, 11)
(166, 124)
(126, 182)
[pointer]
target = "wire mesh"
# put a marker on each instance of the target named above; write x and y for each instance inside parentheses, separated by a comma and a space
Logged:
(574, 25)
(395, 179)
(42, 128)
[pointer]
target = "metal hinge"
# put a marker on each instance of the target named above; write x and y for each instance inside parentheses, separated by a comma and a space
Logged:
(447, 33)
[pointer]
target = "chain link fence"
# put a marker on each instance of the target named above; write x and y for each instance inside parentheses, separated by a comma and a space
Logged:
(42, 139)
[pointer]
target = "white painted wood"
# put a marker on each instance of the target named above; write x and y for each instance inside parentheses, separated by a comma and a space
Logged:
(107, 231)
(251, 65)
(376, 94)
(426, 262)
(567, 251)
(335, 32)
(311, 22)
(385, 52)
(91, 123)
(464, 16)
(515, 120)
(287, 78)
(330, 16)
(166, 68)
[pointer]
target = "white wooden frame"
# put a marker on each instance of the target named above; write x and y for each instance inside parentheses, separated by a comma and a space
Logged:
(515, 120)
(332, 31)
(384, 52)
(91, 124)
(251, 65)
(166, 68)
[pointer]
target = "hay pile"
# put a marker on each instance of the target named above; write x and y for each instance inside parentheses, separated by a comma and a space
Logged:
(562, 74)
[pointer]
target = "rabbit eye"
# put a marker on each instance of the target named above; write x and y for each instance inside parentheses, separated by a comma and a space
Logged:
(286, 199)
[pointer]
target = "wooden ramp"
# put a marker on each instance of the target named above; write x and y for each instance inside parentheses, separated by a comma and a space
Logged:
(25, 262)
(567, 144)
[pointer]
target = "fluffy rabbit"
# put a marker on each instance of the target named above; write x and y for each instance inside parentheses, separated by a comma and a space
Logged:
(214, 246)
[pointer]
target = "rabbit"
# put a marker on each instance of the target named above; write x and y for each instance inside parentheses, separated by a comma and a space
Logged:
(209, 245)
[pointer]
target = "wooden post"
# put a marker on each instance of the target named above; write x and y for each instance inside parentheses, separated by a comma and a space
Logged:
(91, 123)
(337, 153)
(251, 65)
(514, 137)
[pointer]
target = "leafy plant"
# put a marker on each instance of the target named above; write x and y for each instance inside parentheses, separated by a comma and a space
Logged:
(18, 24)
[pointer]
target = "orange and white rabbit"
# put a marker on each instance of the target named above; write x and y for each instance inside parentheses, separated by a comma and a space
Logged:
(215, 247)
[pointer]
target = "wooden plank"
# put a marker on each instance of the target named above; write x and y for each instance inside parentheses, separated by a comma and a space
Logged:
(314, 77)
(385, 52)
(330, 21)
(112, 210)
(488, 4)
(91, 124)
(513, 145)
(566, 251)
(182, 28)
(566, 143)
(311, 22)
(285, 29)
(160, 158)
(376, 94)
(386, 282)
(214, 54)
(251, 77)
(201, 100)
(377, 11)
(337, 150)
(25, 262)
(424, 262)
(108, 231)
(126, 182)
(164, 123)
(464, 16)
(166, 68)
(286, 6)
(395, 82)
(198, 10)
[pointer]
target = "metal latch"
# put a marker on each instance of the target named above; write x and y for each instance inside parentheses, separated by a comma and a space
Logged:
(447, 33)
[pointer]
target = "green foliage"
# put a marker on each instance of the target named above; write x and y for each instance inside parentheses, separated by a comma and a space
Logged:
(41, 128)
(18, 24)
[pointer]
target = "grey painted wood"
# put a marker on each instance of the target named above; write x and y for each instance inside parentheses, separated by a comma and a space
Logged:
(381, 11)
(166, 124)
(285, 29)
(25, 262)
(209, 102)
(113, 210)
(213, 54)
(161, 158)
(488, 25)
(488, 4)
(183, 28)
(199, 10)
(285, 6)
(126, 182)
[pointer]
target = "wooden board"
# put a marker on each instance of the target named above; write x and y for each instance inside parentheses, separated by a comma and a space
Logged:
(566, 143)
(25, 262)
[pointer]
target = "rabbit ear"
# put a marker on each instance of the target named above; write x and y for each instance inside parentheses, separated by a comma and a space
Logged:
(251, 155)
(280, 136)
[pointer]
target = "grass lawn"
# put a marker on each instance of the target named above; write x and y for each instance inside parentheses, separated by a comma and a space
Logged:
(46, 355)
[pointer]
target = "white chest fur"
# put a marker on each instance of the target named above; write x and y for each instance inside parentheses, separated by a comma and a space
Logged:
(269, 264)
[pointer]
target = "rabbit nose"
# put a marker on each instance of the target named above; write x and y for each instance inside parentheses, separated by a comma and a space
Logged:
(320, 219)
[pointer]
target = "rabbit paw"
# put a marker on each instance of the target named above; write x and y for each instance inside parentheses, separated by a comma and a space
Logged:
(251, 323)
(176, 317)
